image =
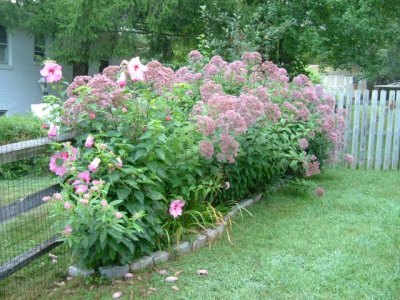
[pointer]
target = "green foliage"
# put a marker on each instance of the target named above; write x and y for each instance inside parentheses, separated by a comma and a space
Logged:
(269, 152)
(18, 128)
(140, 150)
(319, 146)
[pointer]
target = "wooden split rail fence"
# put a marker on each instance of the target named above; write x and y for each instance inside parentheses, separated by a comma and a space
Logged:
(27, 204)
(372, 134)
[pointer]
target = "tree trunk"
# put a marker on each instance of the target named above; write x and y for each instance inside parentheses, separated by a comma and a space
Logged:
(80, 68)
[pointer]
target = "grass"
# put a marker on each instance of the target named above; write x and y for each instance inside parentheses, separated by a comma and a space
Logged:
(344, 245)
(25, 231)
(12, 190)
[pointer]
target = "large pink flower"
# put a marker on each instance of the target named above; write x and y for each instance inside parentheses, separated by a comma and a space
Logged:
(52, 131)
(136, 69)
(57, 163)
(80, 189)
(175, 208)
(122, 80)
(51, 71)
(89, 142)
(94, 164)
(85, 176)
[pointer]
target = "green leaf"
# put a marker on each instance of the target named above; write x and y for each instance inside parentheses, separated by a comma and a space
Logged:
(154, 195)
(133, 183)
(139, 154)
(103, 237)
(140, 196)
(160, 154)
(123, 193)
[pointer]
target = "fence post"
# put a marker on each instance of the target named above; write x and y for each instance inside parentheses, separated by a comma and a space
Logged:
(356, 128)
(381, 125)
(396, 146)
(372, 129)
(364, 127)
(389, 132)
(349, 101)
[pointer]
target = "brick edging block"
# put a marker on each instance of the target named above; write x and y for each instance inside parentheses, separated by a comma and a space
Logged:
(208, 235)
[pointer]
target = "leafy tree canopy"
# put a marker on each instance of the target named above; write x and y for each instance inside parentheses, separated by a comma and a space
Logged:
(292, 33)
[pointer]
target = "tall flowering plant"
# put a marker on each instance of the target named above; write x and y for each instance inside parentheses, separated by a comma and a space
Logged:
(210, 132)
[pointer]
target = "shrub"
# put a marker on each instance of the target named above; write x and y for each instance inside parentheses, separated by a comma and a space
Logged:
(196, 138)
(19, 128)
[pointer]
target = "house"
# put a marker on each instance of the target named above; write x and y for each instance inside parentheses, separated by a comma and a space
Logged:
(20, 57)
(338, 78)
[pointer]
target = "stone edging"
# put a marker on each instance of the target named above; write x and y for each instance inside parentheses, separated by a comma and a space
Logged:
(208, 235)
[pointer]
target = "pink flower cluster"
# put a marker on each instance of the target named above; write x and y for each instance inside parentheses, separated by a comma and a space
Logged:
(195, 56)
(162, 78)
(348, 159)
(311, 166)
(303, 143)
(85, 92)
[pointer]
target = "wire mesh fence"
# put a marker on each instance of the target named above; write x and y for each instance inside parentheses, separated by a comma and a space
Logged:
(28, 241)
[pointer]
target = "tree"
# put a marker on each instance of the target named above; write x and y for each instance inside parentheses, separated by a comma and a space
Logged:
(89, 30)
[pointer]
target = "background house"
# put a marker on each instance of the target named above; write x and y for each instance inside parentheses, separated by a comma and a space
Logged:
(338, 78)
(20, 57)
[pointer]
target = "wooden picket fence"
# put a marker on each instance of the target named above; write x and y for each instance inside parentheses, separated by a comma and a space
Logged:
(372, 127)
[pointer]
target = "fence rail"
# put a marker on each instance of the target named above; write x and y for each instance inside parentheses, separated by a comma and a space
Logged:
(372, 127)
(25, 231)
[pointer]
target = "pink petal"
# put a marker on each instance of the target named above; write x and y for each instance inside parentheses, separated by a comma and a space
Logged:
(117, 295)
(171, 279)
(202, 272)
(163, 272)
(128, 275)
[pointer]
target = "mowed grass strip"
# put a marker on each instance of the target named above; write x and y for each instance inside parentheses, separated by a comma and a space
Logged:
(345, 245)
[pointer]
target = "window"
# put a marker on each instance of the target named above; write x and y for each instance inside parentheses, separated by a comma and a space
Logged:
(103, 64)
(3, 112)
(39, 52)
(3, 45)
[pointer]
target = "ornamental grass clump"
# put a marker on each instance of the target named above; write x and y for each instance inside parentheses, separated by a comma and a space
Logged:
(159, 154)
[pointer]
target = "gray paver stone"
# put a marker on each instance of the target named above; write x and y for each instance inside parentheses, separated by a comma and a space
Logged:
(114, 271)
(257, 198)
(75, 271)
(220, 229)
(199, 242)
(160, 257)
(246, 203)
(211, 234)
(144, 262)
(183, 248)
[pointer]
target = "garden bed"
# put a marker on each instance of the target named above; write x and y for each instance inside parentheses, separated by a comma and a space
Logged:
(295, 246)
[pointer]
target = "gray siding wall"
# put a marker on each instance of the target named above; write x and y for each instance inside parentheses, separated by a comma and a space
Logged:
(18, 79)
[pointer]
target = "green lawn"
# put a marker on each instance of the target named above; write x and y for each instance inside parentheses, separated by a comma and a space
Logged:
(12, 190)
(345, 245)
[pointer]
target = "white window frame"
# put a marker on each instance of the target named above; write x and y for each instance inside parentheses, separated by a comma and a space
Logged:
(8, 63)
(36, 59)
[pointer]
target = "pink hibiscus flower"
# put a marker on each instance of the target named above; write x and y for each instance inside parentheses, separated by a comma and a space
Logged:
(94, 164)
(175, 208)
(57, 163)
(89, 142)
(52, 131)
(51, 71)
(122, 80)
(136, 69)
(85, 176)
(80, 189)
